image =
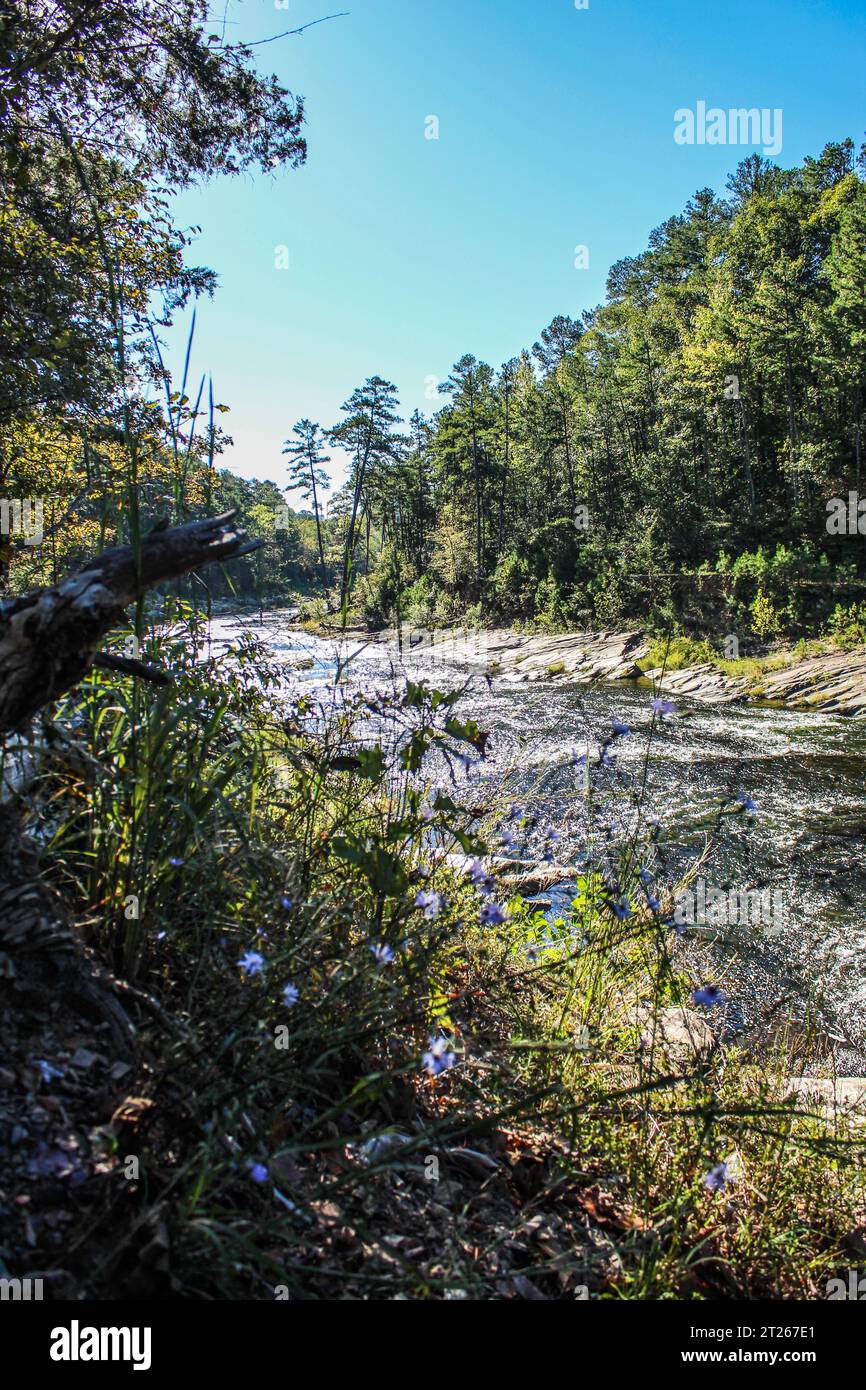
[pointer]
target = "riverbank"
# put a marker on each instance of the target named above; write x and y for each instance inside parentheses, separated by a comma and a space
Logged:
(828, 679)
(359, 1072)
(832, 681)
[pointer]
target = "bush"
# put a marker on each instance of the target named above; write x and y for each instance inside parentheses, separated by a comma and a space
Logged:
(847, 626)
(764, 618)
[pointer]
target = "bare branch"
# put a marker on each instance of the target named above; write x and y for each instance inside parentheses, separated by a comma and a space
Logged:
(48, 639)
(344, 14)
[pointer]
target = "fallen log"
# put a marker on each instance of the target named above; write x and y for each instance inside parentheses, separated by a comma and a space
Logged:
(48, 639)
(48, 642)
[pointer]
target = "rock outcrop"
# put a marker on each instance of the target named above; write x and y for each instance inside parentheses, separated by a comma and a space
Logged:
(575, 657)
(834, 683)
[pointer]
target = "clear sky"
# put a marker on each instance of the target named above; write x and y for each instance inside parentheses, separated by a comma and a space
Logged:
(556, 130)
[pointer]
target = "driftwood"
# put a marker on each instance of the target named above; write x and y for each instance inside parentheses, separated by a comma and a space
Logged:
(48, 642)
(48, 639)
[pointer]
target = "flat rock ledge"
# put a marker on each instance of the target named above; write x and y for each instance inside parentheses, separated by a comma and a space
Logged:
(834, 683)
(841, 1095)
(577, 658)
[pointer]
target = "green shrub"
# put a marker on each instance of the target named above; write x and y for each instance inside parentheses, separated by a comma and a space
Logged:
(847, 626)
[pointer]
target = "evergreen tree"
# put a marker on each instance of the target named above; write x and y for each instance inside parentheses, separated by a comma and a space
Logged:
(306, 471)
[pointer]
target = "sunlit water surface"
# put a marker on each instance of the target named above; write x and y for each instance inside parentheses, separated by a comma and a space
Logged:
(805, 772)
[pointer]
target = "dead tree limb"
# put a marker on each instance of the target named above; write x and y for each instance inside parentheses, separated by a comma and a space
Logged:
(48, 639)
(48, 643)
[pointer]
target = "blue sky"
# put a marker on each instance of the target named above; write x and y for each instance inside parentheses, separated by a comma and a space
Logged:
(556, 130)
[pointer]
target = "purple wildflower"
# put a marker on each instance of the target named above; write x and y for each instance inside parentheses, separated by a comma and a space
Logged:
(382, 954)
(439, 1058)
(709, 996)
(252, 963)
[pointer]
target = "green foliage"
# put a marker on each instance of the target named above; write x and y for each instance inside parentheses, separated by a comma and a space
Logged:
(847, 626)
(765, 620)
(672, 456)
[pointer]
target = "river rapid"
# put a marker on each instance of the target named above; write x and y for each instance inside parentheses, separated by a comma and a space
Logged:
(799, 855)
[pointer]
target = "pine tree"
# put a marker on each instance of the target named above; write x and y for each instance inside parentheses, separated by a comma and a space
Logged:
(306, 471)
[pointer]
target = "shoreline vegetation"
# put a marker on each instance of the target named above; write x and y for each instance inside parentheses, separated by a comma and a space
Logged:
(823, 674)
(262, 1038)
(362, 1068)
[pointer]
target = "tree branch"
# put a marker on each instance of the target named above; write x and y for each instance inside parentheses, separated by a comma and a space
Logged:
(48, 639)
(257, 43)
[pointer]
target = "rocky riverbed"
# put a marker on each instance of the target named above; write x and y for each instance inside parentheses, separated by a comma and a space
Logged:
(575, 658)
(549, 699)
(834, 682)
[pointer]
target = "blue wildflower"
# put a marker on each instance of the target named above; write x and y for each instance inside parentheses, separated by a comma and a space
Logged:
(709, 996)
(492, 914)
(252, 963)
(620, 730)
(286, 903)
(717, 1178)
(291, 995)
(431, 903)
(382, 954)
(258, 1172)
(480, 877)
(47, 1071)
(176, 862)
(662, 707)
(621, 908)
(747, 803)
(439, 1058)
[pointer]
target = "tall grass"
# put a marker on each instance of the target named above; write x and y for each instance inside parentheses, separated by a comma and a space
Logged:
(282, 843)
(359, 1073)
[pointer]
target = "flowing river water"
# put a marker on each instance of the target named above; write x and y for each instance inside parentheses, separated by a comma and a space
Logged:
(799, 856)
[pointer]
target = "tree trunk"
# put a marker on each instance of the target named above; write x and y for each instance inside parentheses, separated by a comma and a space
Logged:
(48, 643)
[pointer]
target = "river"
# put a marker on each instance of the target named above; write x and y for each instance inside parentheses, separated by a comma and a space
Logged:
(802, 848)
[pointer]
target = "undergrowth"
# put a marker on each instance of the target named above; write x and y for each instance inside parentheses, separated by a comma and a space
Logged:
(367, 1069)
